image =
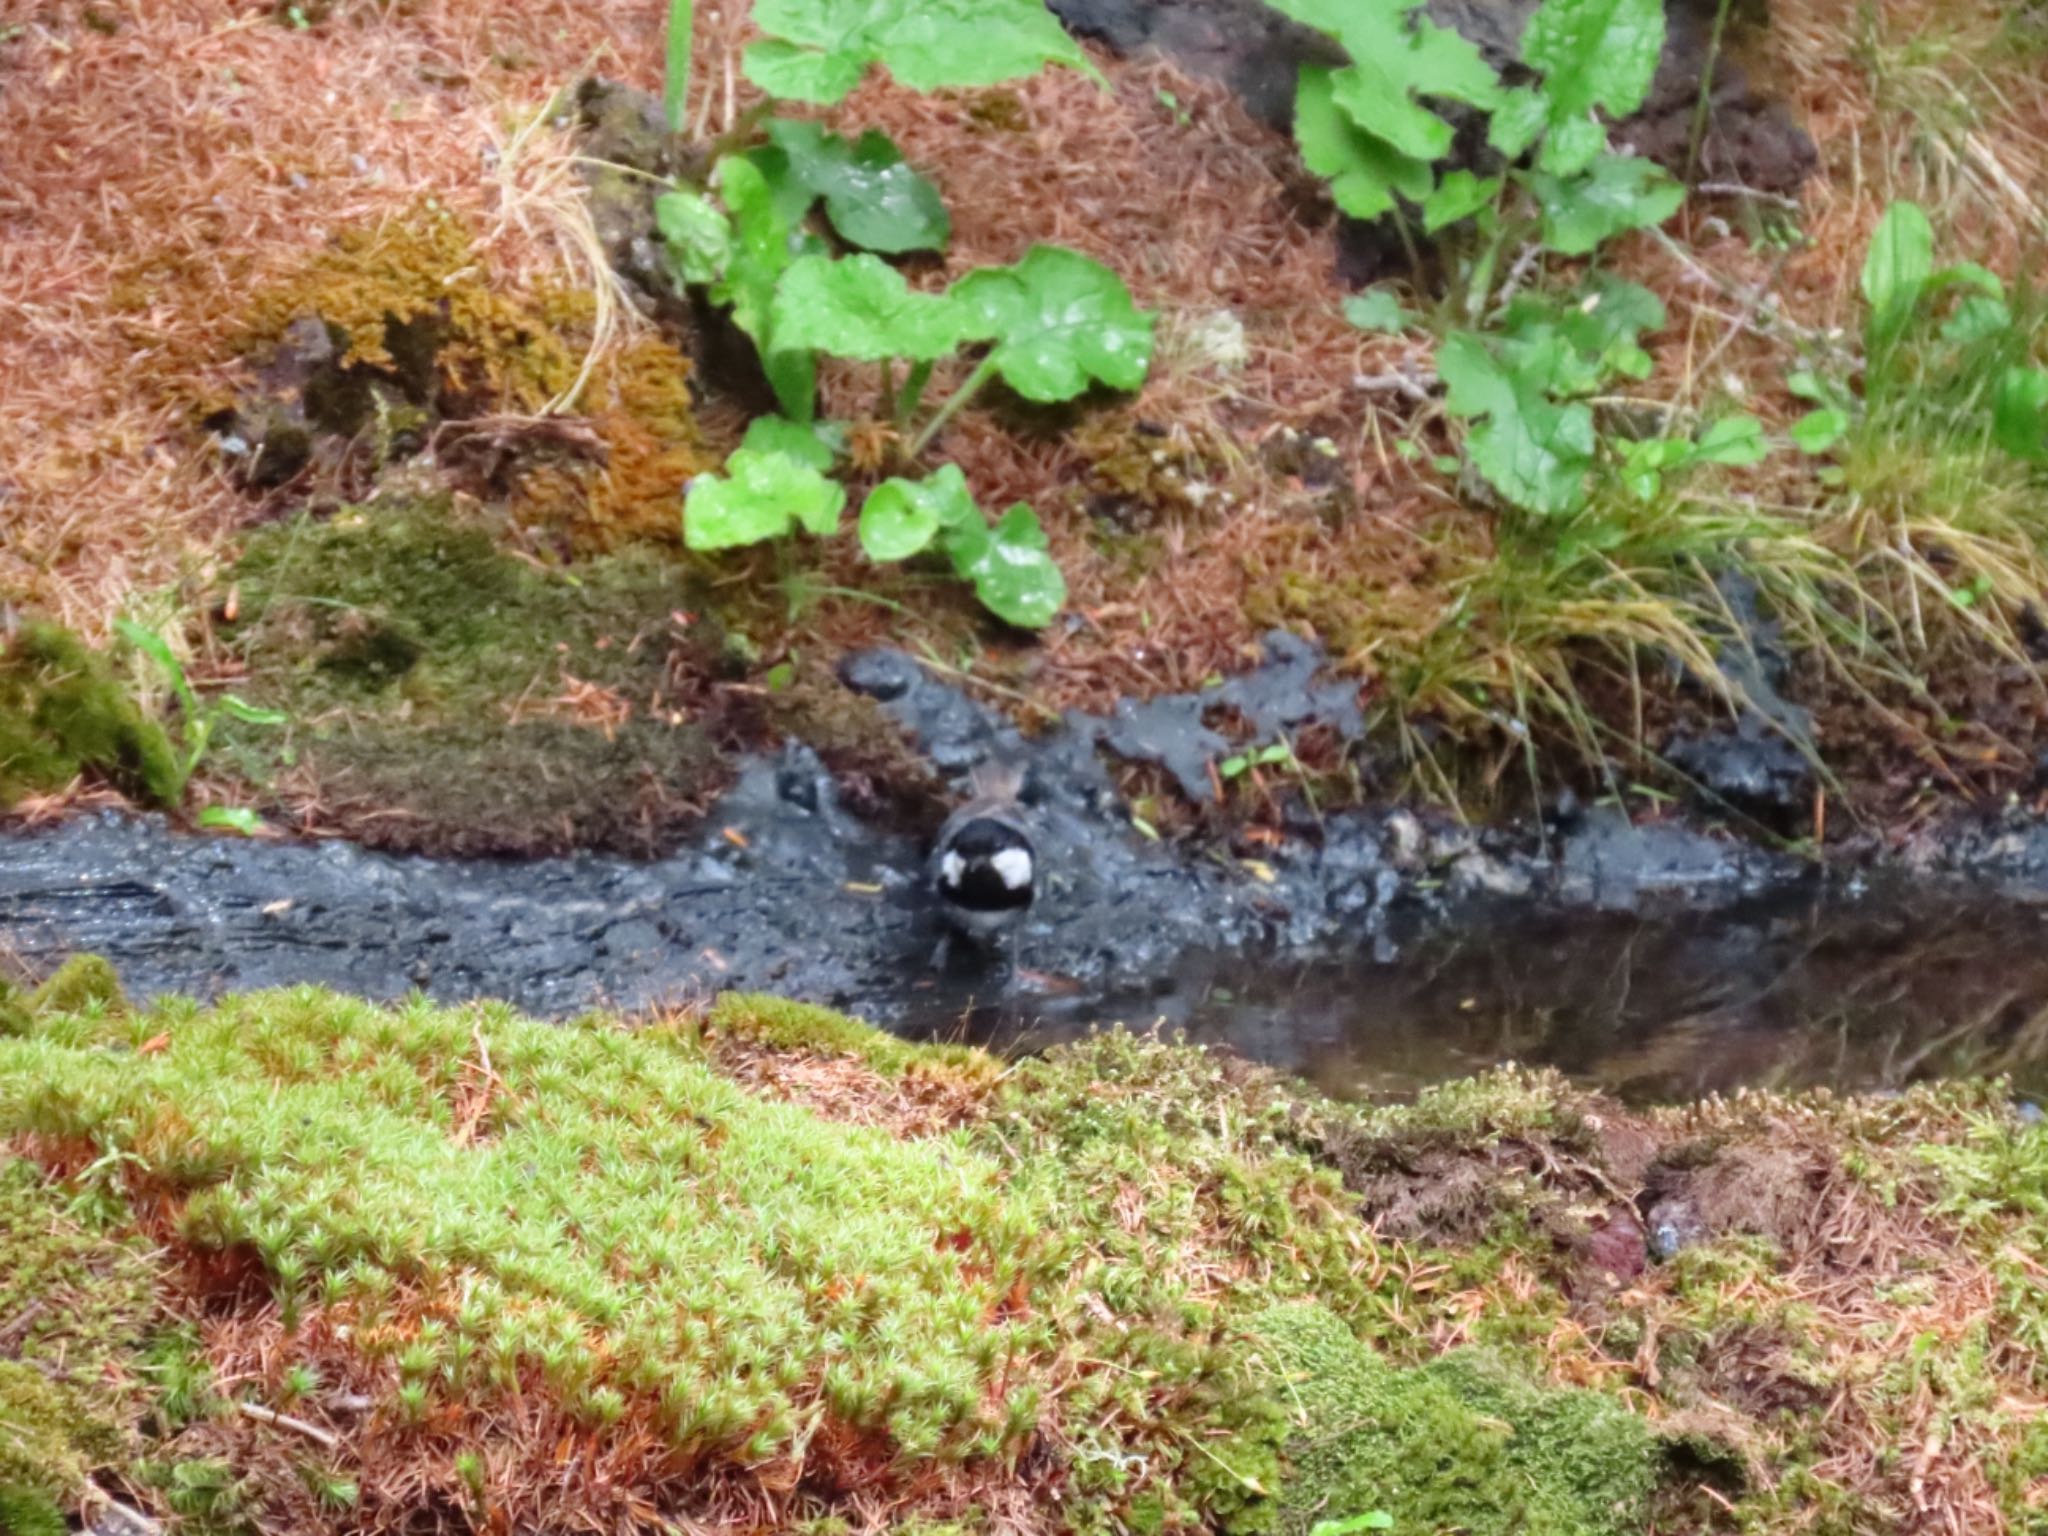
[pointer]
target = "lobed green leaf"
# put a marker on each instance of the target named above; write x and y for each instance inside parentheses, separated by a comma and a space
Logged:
(859, 307)
(1058, 321)
(762, 495)
(818, 50)
(1617, 193)
(1595, 56)
(1366, 175)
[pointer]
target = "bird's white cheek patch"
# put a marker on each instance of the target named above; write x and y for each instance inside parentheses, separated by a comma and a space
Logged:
(951, 868)
(1014, 866)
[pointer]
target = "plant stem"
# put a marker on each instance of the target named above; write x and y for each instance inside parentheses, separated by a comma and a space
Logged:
(913, 393)
(983, 372)
(742, 129)
(1700, 109)
(675, 85)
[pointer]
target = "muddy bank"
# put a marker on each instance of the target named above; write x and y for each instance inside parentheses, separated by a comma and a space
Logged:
(783, 888)
(1373, 951)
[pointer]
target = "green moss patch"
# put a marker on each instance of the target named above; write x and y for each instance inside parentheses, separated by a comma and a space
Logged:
(1128, 1285)
(1461, 1444)
(447, 696)
(76, 1303)
(62, 714)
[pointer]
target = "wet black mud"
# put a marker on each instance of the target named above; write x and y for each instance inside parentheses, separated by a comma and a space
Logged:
(1376, 953)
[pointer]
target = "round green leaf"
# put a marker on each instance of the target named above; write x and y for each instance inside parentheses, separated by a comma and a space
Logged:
(1013, 575)
(872, 196)
(1058, 321)
(902, 517)
(803, 441)
(762, 495)
(1377, 309)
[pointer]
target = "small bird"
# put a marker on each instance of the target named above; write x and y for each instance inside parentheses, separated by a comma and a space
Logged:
(984, 864)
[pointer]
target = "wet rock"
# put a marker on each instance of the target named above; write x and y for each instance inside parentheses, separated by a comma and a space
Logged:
(1481, 874)
(1168, 731)
(1674, 1226)
(1608, 861)
(1749, 767)
(1406, 842)
(1760, 764)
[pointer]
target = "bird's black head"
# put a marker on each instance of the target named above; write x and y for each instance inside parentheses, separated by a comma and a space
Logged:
(986, 864)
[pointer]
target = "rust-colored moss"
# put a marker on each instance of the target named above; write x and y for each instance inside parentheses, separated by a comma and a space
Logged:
(413, 298)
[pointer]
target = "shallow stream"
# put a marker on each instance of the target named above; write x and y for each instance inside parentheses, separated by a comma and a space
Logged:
(1834, 985)
(1340, 967)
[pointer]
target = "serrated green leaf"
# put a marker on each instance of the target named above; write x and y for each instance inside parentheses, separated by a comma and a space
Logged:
(2020, 414)
(804, 442)
(902, 517)
(1595, 56)
(1377, 309)
(1365, 174)
(1531, 449)
(1398, 56)
(1575, 345)
(1895, 272)
(1458, 196)
(695, 234)
(1616, 194)
(1013, 575)
(819, 49)
(1522, 115)
(872, 195)
(789, 73)
(1818, 431)
(860, 308)
(1058, 321)
(762, 495)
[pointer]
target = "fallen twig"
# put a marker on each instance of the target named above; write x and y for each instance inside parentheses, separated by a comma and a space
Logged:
(313, 1432)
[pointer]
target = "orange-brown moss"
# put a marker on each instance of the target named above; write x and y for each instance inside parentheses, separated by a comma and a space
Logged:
(418, 280)
(415, 302)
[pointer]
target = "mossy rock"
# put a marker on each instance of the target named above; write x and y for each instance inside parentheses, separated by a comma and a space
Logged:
(449, 697)
(82, 984)
(1461, 1444)
(63, 714)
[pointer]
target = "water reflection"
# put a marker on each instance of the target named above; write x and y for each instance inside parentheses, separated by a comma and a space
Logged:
(1864, 992)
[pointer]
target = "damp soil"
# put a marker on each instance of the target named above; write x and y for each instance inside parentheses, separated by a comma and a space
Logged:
(1373, 952)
